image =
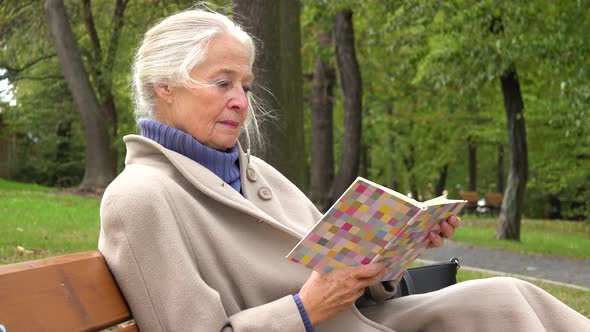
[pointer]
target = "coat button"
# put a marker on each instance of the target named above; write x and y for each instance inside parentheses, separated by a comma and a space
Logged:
(264, 193)
(251, 174)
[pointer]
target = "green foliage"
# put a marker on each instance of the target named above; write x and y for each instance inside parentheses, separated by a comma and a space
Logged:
(45, 122)
(431, 84)
(430, 75)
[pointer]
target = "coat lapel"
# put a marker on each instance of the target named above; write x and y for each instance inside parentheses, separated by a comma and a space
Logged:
(203, 179)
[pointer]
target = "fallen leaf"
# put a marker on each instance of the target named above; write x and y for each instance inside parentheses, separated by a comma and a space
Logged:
(24, 251)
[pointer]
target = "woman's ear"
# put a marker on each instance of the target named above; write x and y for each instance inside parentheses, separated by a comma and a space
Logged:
(164, 92)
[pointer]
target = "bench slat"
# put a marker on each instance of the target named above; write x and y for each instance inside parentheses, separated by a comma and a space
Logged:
(74, 292)
(494, 200)
(471, 197)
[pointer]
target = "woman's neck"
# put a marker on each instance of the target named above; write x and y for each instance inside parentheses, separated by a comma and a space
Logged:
(224, 164)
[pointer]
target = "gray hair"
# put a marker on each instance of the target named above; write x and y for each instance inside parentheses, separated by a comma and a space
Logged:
(172, 48)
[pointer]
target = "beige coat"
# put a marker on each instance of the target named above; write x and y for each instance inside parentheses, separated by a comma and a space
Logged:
(192, 254)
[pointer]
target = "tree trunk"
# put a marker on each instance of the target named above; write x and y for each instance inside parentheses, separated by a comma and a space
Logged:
(500, 179)
(442, 180)
(554, 207)
(409, 162)
(350, 80)
(512, 203)
(99, 166)
(365, 162)
(393, 183)
(101, 68)
(62, 149)
(7, 143)
(278, 68)
(322, 143)
(472, 147)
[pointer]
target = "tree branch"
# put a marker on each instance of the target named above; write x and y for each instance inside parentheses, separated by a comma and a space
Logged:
(91, 28)
(118, 22)
(17, 70)
(38, 78)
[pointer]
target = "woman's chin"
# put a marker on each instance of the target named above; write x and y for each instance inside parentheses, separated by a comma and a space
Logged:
(223, 144)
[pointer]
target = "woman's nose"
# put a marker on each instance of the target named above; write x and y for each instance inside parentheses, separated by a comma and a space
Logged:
(239, 100)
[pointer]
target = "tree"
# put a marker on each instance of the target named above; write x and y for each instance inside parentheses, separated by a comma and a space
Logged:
(278, 80)
(100, 156)
(351, 83)
(322, 146)
(512, 202)
(472, 148)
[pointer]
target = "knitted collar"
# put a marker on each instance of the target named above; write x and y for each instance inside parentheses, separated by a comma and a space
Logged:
(223, 163)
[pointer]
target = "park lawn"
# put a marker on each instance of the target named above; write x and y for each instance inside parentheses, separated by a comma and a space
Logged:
(40, 222)
(565, 239)
(577, 299)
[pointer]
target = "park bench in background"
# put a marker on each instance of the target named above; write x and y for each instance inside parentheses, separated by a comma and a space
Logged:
(493, 201)
(471, 197)
(74, 292)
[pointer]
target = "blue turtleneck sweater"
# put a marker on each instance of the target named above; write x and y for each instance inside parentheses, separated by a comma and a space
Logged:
(223, 163)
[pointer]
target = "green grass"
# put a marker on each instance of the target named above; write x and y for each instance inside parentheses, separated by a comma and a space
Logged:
(44, 222)
(9, 185)
(577, 299)
(538, 237)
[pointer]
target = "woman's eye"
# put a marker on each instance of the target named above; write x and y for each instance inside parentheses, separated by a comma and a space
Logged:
(247, 88)
(222, 83)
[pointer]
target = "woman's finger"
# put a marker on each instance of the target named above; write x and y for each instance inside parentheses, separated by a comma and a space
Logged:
(454, 221)
(367, 271)
(446, 230)
(435, 240)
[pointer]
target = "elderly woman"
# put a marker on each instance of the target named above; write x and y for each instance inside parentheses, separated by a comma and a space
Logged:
(196, 231)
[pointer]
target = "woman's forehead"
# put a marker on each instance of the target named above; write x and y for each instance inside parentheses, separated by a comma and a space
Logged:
(226, 55)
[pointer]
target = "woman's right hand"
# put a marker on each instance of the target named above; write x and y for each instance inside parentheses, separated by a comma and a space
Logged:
(324, 296)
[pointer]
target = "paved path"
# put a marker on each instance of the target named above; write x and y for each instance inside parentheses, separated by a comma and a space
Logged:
(569, 271)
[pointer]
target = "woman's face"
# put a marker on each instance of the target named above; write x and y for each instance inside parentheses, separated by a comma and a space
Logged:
(215, 110)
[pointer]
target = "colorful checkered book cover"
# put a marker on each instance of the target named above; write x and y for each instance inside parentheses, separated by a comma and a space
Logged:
(371, 223)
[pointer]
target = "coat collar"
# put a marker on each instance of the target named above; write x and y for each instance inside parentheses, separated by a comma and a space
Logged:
(204, 180)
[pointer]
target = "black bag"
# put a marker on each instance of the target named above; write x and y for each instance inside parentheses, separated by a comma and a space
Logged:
(428, 278)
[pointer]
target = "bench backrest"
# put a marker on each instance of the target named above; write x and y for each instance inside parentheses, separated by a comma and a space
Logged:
(471, 197)
(493, 200)
(74, 292)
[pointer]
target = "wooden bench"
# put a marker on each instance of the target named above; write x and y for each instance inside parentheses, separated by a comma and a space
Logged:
(493, 201)
(74, 292)
(471, 197)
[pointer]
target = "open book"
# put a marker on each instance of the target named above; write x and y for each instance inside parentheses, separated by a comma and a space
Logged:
(371, 223)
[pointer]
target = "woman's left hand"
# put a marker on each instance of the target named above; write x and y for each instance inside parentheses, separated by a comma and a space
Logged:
(446, 230)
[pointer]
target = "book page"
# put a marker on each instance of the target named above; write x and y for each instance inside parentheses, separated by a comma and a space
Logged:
(441, 200)
(412, 240)
(393, 192)
(435, 201)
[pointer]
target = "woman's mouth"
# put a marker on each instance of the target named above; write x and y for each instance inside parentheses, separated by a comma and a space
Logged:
(229, 123)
